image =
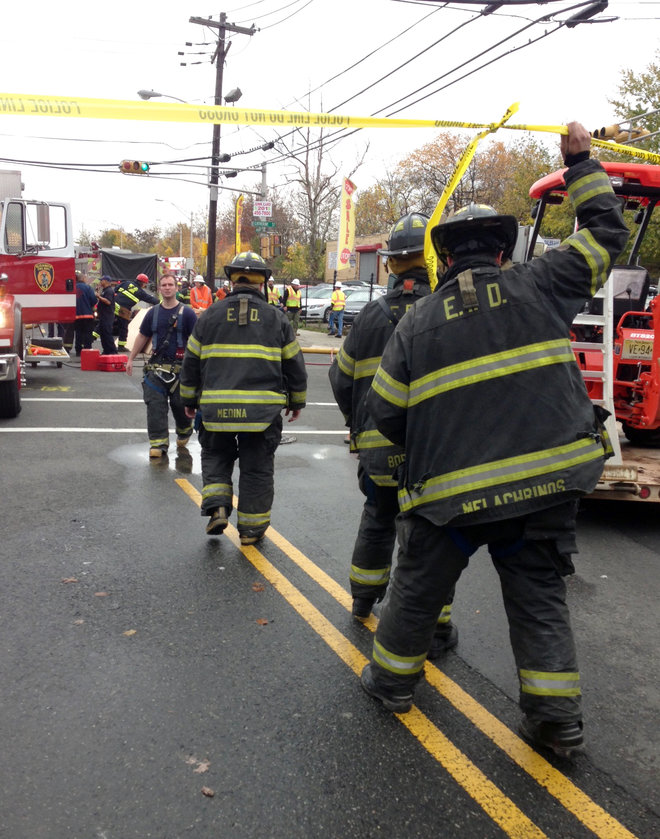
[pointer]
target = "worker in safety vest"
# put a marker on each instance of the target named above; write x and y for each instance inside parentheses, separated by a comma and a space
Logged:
(292, 302)
(223, 290)
(273, 295)
(242, 367)
(379, 460)
(200, 295)
(127, 295)
(480, 386)
(338, 304)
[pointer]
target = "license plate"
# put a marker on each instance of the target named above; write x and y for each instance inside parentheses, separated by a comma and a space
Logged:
(642, 350)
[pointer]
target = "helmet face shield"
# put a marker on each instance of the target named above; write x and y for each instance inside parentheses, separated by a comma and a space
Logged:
(476, 228)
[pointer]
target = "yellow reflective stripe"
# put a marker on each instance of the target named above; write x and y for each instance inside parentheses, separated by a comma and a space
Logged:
(290, 350)
(159, 441)
(366, 367)
(236, 426)
(241, 351)
(370, 576)
(384, 480)
(391, 391)
(549, 684)
(597, 183)
(516, 360)
(253, 397)
(297, 396)
(253, 519)
(187, 392)
(128, 294)
(346, 363)
(217, 489)
(194, 346)
(401, 665)
(371, 440)
(505, 471)
(595, 255)
(445, 615)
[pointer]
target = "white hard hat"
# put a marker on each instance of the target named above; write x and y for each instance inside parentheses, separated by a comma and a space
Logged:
(295, 282)
(198, 279)
(337, 284)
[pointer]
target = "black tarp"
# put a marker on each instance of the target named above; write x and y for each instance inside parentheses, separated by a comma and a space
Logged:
(123, 265)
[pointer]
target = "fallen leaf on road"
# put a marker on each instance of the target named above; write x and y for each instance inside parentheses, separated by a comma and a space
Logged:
(78, 622)
(203, 767)
(70, 580)
(258, 587)
(208, 792)
(130, 632)
(262, 621)
(101, 594)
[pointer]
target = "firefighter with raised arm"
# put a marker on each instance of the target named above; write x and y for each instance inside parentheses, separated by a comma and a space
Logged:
(242, 368)
(480, 385)
(127, 295)
(379, 460)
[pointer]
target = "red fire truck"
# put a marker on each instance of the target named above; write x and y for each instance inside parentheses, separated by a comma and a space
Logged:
(37, 285)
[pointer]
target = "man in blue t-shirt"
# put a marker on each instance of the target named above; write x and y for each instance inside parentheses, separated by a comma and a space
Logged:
(169, 325)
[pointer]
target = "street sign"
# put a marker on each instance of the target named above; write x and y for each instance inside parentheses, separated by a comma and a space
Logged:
(263, 209)
(263, 225)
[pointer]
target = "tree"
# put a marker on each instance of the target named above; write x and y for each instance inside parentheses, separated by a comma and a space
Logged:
(639, 93)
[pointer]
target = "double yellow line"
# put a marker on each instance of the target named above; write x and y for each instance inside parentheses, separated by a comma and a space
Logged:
(490, 798)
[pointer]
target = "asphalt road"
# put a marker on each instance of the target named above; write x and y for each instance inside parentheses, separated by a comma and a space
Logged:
(143, 663)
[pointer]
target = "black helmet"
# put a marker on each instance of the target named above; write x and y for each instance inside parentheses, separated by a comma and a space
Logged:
(475, 228)
(406, 236)
(248, 263)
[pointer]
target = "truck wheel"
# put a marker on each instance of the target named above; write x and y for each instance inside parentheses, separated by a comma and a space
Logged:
(10, 399)
(642, 436)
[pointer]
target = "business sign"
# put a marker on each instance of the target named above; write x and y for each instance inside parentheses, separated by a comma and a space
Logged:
(263, 208)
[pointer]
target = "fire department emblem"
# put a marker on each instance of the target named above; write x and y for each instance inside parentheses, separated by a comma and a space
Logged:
(44, 274)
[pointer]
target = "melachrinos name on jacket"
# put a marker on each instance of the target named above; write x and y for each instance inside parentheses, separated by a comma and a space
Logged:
(537, 491)
(493, 296)
(232, 413)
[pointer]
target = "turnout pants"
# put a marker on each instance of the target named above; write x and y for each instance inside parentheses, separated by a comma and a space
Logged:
(255, 453)
(531, 555)
(159, 398)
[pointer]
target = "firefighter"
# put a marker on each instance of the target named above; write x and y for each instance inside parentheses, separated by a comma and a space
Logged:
(242, 366)
(127, 295)
(338, 303)
(168, 324)
(480, 385)
(292, 302)
(183, 291)
(379, 460)
(200, 295)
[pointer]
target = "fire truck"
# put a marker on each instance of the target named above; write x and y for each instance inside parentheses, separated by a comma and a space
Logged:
(37, 285)
(614, 340)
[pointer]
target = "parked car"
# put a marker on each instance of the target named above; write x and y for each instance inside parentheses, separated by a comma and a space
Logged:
(318, 307)
(358, 299)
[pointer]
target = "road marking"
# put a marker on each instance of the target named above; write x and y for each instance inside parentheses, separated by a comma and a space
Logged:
(141, 430)
(493, 801)
(571, 797)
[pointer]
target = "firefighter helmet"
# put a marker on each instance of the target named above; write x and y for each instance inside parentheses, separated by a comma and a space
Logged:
(249, 265)
(142, 278)
(406, 236)
(475, 228)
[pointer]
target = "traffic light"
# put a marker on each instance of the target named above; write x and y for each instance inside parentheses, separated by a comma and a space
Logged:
(276, 244)
(134, 167)
(264, 244)
(619, 134)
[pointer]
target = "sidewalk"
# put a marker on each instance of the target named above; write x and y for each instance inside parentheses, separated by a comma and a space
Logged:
(319, 340)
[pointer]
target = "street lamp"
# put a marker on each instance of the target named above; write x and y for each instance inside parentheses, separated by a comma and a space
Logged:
(166, 201)
(152, 94)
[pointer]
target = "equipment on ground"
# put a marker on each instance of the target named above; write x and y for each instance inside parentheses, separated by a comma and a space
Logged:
(614, 340)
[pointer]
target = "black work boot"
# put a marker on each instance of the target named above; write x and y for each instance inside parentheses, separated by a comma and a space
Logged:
(563, 738)
(445, 638)
(217, 522)
(398, 701)
(251, 537)
(362, 607)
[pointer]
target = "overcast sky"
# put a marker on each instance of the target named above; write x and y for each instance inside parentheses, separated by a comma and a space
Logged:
(300, 58)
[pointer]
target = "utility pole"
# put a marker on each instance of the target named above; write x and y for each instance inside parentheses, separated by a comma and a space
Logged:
(219, 57)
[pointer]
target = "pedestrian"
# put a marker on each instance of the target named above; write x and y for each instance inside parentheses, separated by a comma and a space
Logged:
(338, 304)
(223, 290)
(480, 385)
(292, 301)
(169, 324)
(85, 303)
(105, 311)
(379, 460)
(273, 294)
(127, 295)
(241, 401)
(200, 295)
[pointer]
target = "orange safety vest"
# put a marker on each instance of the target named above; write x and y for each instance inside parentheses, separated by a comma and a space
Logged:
(338, 300)
(293, 299)
(200, 298)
